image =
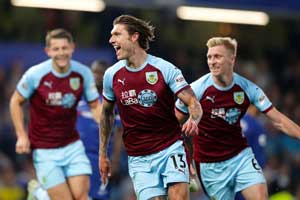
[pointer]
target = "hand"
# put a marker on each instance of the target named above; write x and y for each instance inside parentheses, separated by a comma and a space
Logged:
(190, 127)
(194, 180)
(105, 168)
(23, 144)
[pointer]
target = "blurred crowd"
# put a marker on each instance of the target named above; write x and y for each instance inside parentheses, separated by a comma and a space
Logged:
(280, 80)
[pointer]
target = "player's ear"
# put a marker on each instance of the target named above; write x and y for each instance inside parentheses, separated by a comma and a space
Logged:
(135, 36)
(47, 51)
(73, 46)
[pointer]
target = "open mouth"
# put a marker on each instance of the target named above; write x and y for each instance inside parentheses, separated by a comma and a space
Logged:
(117, 48)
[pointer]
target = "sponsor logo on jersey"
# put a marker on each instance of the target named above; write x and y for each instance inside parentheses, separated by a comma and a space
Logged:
(68, 100)
(152, 77)
(231, 116)
(262, 99)
(179, 79)
(24, 86)
(54, 99)
(129, 97)
(239, 97)
(74, 83)
(147, 98)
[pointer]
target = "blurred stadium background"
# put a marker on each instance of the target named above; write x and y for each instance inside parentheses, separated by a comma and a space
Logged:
(267, 54)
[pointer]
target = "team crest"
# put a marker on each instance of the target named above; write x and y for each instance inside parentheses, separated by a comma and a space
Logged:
(74, 83)
(239, 97)
(152, 77)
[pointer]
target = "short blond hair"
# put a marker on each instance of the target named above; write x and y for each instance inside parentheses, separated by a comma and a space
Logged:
(228, 42)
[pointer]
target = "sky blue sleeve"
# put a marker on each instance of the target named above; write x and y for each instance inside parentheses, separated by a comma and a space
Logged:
(26, 84)
(255, 93)
(172, 75)
(259, 99)
(90, 90)
(107, 85)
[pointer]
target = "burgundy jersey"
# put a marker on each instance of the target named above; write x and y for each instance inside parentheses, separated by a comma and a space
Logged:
(220, 136)
(53, 99)
(145, 99)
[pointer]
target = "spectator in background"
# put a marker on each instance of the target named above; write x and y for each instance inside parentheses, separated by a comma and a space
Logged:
(89, 134)
(225, 161)
(54, 88)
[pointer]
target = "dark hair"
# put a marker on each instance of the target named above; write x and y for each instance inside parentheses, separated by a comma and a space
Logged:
(133, 25)
(58, 34)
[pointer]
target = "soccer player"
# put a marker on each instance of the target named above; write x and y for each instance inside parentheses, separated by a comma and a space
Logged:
(89, 133)
(54, 88)
(143, 86)
(226, 164)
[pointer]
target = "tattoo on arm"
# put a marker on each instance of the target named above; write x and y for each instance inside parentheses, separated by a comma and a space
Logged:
(189, 98)
(106, 123)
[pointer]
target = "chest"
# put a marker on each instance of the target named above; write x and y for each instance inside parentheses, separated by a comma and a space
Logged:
(228, 105)
(144, 87)
(65, 92)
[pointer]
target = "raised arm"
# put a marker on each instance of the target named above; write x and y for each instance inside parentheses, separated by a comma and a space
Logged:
(190, 127)
(107, 114)
(283, 123)
(17, 116)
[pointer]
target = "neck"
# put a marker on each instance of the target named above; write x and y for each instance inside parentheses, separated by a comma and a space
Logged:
(137, 59)
(223, 80)
(61, 70)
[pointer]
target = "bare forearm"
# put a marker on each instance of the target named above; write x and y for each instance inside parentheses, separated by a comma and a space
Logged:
(117, 148)
(17, 116)
(189, 98)
(195, 110)
(105, 131)
(283, 123)
(106, 123)
(289, 127)
(96, 110)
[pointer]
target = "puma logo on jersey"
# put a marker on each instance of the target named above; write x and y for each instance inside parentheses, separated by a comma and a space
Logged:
(122, 81)
(212, 99)
(48, 84)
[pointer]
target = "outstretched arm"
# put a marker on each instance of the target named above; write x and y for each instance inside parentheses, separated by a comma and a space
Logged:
(283, 123)
(17, 116)
(107, 114)
(187, 96)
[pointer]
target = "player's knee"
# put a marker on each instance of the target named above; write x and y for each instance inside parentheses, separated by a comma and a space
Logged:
(81, 196)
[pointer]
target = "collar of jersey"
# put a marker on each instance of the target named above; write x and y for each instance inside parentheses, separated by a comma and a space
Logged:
(61, 75)
(223, 88)
(139, 68)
